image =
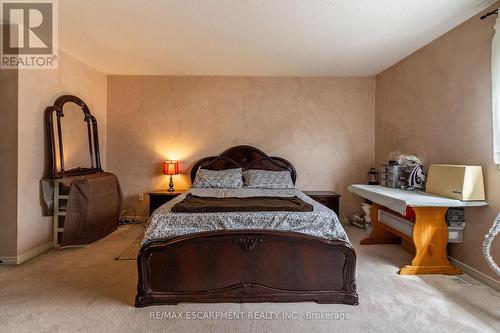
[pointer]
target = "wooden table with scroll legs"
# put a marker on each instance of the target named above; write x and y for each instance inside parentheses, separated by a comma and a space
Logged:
(429, 237)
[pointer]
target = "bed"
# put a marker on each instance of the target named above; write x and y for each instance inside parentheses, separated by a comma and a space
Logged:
(276, 257)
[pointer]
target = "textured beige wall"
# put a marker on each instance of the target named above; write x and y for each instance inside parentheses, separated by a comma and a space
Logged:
(437, 104)
(323, 125)
(37, 90)
(8, 164)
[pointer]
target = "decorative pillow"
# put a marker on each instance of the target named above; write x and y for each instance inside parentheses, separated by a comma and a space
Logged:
(268, 179)
(228, 178)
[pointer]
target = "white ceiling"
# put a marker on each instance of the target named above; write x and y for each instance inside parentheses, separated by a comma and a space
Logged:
(254, 37)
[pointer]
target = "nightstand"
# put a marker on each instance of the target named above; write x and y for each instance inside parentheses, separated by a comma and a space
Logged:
(328, 198)
(158, 198)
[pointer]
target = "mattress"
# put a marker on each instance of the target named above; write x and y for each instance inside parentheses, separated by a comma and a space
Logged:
(321, 222)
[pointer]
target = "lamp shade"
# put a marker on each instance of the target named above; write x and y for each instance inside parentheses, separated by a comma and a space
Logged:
(171, 167)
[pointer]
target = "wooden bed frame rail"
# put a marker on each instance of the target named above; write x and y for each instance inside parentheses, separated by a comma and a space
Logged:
(246, 266)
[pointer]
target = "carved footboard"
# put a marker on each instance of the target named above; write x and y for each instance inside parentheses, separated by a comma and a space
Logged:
(246, 266)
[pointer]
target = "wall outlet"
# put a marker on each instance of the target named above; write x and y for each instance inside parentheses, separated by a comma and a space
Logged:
(141, 196)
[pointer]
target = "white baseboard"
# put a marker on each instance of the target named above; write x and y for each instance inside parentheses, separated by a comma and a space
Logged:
(481, 277)
(8, 260)
(26, 255)
(34, 252)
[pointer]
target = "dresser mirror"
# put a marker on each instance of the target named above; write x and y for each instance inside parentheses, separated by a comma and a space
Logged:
(73, 143)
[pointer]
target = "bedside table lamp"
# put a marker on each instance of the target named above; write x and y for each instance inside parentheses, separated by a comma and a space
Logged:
(171, 168)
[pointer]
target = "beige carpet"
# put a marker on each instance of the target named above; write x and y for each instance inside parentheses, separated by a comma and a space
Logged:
(132, 249)
(87, 290)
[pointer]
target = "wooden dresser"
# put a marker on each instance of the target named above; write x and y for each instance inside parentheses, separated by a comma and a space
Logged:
(328, 198)
(158, 198)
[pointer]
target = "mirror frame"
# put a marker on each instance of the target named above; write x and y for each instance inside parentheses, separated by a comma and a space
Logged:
(92, 134)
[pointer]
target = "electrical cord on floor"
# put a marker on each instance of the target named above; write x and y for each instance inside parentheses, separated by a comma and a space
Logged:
(343, 219)
(126, 219)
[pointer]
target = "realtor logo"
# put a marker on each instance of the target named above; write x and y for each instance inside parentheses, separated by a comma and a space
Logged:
(29, 34)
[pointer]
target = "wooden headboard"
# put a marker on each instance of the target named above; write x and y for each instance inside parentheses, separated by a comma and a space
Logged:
(245, 157)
